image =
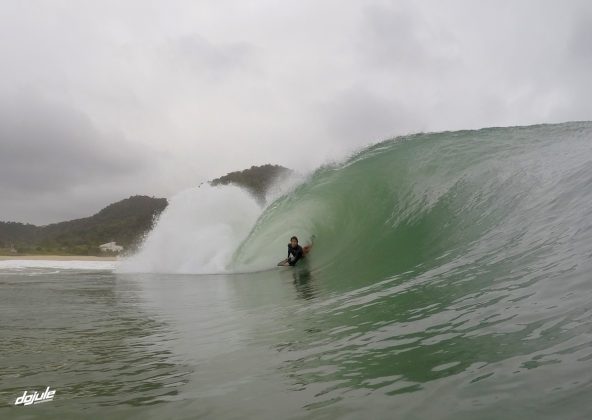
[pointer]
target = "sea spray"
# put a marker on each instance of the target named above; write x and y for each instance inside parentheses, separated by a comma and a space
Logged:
(197, 233)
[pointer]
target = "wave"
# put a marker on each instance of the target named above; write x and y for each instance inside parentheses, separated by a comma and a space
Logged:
(417, 202)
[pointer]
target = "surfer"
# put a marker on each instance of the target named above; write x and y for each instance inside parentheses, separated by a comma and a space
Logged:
(295, 252)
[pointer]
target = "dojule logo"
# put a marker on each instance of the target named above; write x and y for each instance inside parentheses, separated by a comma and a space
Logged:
(35, 397)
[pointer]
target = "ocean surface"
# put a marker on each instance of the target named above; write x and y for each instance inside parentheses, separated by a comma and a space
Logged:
(450, 278)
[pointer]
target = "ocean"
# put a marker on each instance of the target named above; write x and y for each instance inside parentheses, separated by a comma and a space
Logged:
(450, 278)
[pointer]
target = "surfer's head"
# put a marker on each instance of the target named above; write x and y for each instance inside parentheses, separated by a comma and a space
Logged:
(294, 241)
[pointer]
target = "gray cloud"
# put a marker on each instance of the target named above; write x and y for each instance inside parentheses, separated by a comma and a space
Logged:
(48, 152)
(216, 86)
(395, 36)
(214, 62)
(44, 147)
(358, 115)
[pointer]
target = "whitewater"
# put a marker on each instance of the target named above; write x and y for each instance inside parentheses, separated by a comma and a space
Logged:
(450, 279)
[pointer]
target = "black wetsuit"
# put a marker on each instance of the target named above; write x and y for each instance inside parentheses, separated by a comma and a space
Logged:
(294, 254)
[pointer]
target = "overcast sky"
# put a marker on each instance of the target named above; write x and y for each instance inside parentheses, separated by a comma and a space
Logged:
(100, 100)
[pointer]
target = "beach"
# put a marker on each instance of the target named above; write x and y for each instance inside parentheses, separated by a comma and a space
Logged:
(56, 258)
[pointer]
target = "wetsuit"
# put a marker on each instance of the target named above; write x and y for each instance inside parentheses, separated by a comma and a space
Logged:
(294, 254)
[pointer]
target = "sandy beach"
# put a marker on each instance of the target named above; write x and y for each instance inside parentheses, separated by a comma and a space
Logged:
(56, 258)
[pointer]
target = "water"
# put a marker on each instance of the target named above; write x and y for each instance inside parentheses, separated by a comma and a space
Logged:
(450, 279)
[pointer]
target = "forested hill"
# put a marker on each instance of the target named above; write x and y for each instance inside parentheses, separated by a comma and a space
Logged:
(256, 179)
(123, 222)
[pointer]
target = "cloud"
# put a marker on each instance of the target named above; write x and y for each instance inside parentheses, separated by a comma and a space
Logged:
(49, 151)
(202, 58)
(216, 86)
(358, 115)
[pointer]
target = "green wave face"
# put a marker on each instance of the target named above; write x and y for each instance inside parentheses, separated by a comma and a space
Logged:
(423, 201)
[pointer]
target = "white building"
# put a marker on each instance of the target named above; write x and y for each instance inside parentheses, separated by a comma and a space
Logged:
(111, 247)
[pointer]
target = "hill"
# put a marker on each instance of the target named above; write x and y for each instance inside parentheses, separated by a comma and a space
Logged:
(124, 222)
(256, 180)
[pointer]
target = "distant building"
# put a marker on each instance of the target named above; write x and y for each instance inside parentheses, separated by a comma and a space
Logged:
(111, 247)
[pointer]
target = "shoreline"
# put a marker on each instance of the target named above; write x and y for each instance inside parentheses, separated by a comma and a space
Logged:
(57, 258)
